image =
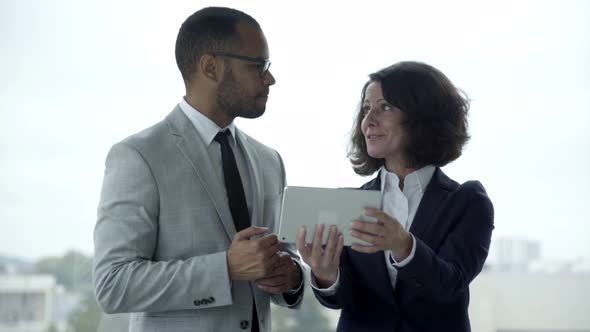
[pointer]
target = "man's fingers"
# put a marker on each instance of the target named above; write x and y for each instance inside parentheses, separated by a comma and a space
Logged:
(273, 260)
(268, 245)
(273, 248)
(268, 240)
(273, 284)
(273, 281)
(274, 290)
(288, 267)
(272, 251)
(285, 261)
(249, 232)
(279, 266)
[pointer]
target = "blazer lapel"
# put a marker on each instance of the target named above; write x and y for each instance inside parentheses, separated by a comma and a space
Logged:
(193, 148)
(251, 157)
(436, 191)
(374, 184)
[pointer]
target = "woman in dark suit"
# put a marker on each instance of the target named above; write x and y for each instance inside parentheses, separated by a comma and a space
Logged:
(432, 235)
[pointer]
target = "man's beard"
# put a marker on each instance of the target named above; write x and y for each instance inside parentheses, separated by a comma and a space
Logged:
(234, 101)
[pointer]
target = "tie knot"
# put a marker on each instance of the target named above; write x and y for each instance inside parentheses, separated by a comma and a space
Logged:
(221, 137)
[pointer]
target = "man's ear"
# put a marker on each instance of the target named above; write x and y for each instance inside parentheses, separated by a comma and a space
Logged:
(211, 67)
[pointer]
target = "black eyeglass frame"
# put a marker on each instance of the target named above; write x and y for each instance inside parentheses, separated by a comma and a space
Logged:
(265, 63)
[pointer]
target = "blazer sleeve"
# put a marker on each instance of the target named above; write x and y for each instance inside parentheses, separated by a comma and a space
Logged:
(442, 275)
(344, 296)
(126, 279)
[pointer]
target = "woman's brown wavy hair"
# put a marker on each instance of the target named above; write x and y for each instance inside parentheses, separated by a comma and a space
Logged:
(434, 117)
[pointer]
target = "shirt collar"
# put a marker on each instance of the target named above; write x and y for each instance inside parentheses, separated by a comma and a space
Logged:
(206, 128)
(417, 180)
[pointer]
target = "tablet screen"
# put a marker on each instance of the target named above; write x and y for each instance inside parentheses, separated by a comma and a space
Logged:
(308, 206)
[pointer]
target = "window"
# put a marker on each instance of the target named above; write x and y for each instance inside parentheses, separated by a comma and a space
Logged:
(79, 76)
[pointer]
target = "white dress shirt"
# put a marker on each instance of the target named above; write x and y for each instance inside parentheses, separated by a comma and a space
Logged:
(207, 130)
(401, 205)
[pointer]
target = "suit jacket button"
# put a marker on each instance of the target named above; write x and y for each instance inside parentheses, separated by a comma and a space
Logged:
(244, 324)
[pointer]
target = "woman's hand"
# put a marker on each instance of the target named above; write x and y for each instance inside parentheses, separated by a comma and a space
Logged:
(324, 261)
(386, 234)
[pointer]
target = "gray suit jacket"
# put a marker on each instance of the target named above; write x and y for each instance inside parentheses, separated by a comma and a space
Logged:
(164, 226)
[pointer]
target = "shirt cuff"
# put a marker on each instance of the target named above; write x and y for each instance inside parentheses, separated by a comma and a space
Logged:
(407, 260)
(326, 291)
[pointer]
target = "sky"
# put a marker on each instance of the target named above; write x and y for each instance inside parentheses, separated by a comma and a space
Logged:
(78, 76)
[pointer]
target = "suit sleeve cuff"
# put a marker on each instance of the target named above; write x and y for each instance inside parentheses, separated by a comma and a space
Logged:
(407, 260)
(325, 291)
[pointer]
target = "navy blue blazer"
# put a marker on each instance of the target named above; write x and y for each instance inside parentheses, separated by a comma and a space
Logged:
(453, 228)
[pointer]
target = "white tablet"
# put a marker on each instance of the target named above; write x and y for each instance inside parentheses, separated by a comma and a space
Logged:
(308, 206)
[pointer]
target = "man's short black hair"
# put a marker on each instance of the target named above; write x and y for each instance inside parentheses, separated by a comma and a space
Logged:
(211, 29)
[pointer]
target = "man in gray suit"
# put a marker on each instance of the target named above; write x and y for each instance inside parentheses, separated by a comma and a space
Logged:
(183, 239)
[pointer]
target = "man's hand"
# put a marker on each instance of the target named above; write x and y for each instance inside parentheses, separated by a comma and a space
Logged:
(286, 276)
(386, 234)
(252, 259)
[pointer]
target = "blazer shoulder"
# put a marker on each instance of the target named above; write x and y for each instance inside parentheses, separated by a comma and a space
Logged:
(441, 181)
(260, 147)
(473, 192)
(147, 136)
(472, 187)
(150, 144)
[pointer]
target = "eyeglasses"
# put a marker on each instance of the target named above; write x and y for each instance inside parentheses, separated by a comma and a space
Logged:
(263, 63)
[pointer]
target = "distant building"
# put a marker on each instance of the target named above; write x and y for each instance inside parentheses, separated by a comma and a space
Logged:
(26, 302)
(530, 302)
(513, 254)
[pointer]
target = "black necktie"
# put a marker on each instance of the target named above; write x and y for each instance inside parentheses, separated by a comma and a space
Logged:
(235, 196)
(233, 183)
